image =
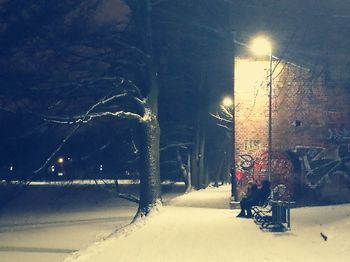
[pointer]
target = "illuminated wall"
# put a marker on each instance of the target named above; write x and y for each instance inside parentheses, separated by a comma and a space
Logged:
(310, 128)
(251, 100)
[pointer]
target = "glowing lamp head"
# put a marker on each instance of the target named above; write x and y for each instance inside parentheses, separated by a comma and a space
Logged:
(227, 101)
(261, 46)
(60, 160)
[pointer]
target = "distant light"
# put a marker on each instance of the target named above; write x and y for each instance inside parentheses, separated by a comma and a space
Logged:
(52, 168)
(261, 46)
(227, 101)
(11, 168)
(60, 160)
(60, 174)
(101, 167)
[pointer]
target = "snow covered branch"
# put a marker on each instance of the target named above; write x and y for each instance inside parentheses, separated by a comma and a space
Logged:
(218, 117)
(226, 112)
(87, 117)
(226, 127)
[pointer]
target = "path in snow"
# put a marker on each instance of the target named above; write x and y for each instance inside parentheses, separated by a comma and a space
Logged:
(182, 232)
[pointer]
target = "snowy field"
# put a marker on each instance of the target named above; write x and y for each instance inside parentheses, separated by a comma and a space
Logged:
(49, 222)
(186, 230)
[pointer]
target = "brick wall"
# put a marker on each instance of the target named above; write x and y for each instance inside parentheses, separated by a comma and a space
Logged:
(310, 121)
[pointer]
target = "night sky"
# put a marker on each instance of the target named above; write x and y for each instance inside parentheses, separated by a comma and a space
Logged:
(52, 55)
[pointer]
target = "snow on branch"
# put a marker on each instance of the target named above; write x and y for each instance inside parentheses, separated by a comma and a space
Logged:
(226, 112)
(224, 117)
(87, 117)
(225, 127)
(218, 117)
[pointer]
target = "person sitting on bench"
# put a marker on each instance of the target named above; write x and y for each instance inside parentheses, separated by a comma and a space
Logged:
(255, 197)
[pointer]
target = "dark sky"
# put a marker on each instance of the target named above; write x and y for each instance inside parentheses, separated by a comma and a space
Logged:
(307, 30)
(315, 33)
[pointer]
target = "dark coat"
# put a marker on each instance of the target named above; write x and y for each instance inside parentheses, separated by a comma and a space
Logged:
(260, 196)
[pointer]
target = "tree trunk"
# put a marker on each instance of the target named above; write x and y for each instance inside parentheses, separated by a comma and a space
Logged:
(193, 166)
(202, 172)
(226, 169)
(195, 158)
(149, 168)
(150, 192)
(219, 171)
(189, 174)
(184, 173)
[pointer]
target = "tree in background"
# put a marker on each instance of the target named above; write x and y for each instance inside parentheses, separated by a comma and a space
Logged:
(74, 70)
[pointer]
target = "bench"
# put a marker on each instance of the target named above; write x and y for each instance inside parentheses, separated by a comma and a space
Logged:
(260, 213)
(274, 216)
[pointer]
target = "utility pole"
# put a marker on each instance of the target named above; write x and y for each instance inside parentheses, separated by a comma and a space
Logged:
(233, 167)
(270, 121)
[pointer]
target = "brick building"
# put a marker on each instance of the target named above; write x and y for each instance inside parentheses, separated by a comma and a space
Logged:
(310, 130)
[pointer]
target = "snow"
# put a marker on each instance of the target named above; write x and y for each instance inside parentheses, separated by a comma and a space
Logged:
(200, 227)
(210, 198)
(78, 182)
(47, 222)
(88, 223)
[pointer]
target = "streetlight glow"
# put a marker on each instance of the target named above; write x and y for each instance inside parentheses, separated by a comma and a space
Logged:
(60, 160)
(227, 101)
(261, 46)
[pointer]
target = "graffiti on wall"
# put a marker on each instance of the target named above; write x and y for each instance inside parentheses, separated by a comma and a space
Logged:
(244, 173)
(251, 145)
(282, 175)
(338, 136)
(243, 170)
(324, 165)
(246, 161)
(255, 168)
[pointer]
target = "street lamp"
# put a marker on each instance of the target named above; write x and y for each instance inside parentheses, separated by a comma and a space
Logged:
(262, 46)
(60, 162)
(227, 101)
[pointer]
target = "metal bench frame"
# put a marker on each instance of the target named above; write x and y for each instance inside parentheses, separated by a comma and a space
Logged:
(274, 216)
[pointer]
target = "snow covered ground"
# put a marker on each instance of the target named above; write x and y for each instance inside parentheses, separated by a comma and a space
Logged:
(88, 223)
(197, 227)
(48, 222)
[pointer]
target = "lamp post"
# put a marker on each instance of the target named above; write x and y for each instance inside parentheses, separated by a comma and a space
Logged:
(233, 167)
(262, 46)
(230, 102)
(227, 103)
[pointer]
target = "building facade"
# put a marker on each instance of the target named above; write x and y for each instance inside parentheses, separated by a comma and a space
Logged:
(310, 130)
